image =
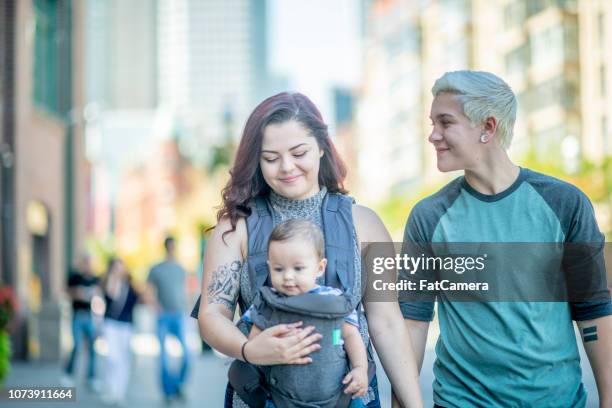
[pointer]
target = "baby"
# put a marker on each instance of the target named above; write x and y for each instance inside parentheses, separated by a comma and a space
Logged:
(295, 261)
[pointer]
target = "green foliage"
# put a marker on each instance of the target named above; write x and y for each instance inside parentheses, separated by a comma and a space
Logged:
(595, 180)
(394, 211)
(101, 250)
(221, 157)
(5, 356)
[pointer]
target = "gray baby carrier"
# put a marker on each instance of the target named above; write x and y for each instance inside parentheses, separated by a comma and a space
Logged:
(318, 384)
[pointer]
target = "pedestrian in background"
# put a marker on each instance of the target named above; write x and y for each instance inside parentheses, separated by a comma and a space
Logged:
(167, 289)
(121, 297)
(82, 288)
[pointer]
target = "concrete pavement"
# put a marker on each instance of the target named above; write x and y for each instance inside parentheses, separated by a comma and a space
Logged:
(208, 374)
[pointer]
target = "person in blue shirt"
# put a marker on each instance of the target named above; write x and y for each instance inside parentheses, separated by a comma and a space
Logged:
(493, 354)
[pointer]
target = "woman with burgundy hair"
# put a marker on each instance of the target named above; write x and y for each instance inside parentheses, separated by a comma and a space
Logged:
(287, 161)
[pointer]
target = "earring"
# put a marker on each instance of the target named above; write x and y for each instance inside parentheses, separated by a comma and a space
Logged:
(484, 138)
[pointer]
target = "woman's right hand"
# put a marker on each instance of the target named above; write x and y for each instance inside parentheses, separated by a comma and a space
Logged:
(283, 344)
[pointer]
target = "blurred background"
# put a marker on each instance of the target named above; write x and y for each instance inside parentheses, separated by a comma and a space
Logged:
(119, 120)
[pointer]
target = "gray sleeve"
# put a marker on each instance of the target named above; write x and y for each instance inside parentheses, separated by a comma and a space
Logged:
(418, 236)
(582, 235)
(417, 306)
(571, 206)
(583, 229)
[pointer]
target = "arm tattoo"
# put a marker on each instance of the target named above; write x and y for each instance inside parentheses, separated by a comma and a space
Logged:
(589, 334)
(224, 285)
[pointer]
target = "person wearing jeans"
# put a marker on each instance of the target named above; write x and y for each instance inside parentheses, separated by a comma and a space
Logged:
(167, 293)
(172, 380)
(82, 287)
(83, 329)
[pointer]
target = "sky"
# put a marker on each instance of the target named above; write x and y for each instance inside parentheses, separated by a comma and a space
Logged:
(316, 45)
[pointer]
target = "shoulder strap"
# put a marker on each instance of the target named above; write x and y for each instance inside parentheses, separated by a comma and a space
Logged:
(338, 229)
(259, 226)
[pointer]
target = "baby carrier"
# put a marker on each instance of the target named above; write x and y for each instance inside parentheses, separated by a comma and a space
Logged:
(317, 384)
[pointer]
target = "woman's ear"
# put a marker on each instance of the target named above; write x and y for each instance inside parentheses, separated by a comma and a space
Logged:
(321, 152)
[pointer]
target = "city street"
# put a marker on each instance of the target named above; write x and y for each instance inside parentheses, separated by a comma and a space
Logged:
(132, 132)
(207, 379)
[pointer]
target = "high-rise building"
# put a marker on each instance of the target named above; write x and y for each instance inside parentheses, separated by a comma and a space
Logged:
(542, 65)
(212, 64)
(389, 106)
(121, 54)
(553, 54)
(344, 134)
(121, 94)
(595, 40)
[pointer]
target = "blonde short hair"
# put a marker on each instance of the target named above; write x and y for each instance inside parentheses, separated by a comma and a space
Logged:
(482, 95)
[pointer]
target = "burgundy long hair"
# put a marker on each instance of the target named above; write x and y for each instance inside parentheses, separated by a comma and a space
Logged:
(246, 180)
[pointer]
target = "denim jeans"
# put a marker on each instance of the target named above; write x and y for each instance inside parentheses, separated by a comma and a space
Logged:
(83, 328)
(375, 403)
(172, 323)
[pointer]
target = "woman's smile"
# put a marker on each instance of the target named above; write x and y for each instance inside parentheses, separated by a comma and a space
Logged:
(290, 179)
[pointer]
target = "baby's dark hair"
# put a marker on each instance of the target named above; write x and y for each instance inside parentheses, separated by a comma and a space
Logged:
(304, 229)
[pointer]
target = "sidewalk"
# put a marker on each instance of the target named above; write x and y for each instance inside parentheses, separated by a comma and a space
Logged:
(207, 379)
(205, 387)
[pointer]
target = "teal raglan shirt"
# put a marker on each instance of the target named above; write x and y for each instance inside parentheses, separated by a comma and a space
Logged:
(506, 354)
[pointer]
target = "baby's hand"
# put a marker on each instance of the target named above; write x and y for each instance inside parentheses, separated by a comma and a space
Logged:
(357, 380)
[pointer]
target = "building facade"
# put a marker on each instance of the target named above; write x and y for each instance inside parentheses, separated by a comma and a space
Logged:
(553, 53)
(213, 64)
(44, 177)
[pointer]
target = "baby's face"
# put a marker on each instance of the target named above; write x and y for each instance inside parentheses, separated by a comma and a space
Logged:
(294, 266)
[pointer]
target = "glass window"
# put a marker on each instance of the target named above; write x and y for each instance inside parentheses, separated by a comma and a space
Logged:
(571, 38)
(45, 55)
(52, 55)
(547, 46)
(517, 60)
(555, 91)
(535, 6)
(514, 14)
(570, 5)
